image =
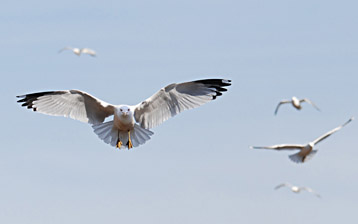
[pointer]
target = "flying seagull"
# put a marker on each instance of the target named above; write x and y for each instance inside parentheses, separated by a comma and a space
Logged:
(297, 189)
(306, 151)
(79, 51)
(296, 103)
(130, 125)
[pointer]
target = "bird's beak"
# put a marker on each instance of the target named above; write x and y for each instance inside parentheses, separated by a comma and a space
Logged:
(125, 113)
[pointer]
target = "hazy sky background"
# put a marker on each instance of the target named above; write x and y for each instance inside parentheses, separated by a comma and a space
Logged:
(198, 167)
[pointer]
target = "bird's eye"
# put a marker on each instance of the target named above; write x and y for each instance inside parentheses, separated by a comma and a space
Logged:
(129, 109)
(120, 109)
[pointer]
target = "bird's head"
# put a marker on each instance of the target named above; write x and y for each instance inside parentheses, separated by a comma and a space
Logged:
(295, 189)
(77, 51)
(124, 111)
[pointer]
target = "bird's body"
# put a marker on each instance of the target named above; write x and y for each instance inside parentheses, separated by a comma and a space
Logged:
(76, 51)
(306, 151)
(296, 103)
(79, 51)
(130, 125)
(297, 189)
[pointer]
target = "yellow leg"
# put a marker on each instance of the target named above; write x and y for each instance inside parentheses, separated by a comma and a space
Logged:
(119, 144)
(129, 140)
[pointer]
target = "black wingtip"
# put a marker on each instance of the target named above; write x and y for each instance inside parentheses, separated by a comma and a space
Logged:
(217, 85)
(28, 99)
(21, 100)
(217, 82)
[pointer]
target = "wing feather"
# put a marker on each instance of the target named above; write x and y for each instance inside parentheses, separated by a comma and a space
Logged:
(88, 51)
(280, 147)
(283, 185)
(175, 98)
(310, 102)
(310, 191)
(65, 48)
(321, 138)
(280, 103)
(75, 104)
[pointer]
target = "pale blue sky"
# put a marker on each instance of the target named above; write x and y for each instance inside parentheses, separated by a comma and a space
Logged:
(197, 168)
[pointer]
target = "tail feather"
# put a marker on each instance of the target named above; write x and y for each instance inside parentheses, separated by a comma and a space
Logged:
(134, 138)
(297, 158)
(104, 131)
(111, 135)
(309, 156)
(143, 133)
(140, 135)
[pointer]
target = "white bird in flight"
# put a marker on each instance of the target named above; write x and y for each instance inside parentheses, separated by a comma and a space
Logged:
(297, 189)
(79, 51)
(296, 103)
(130, 125)
(306, 151)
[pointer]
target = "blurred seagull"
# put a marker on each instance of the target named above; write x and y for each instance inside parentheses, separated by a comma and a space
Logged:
(79, 51)
(296, 103)
(306, 151)
(297, 189)
(123, 130)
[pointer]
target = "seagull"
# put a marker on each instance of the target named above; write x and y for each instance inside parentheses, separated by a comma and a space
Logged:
(306, 151)
(296, 103)
(297, 189)
(130, 125)
(79, 51)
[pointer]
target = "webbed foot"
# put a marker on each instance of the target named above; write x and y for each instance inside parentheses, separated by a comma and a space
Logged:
(119, 144)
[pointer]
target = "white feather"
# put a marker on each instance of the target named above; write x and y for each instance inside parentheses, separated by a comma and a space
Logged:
(175, 98)
(75, 104)
(110, 135)
(297, 158)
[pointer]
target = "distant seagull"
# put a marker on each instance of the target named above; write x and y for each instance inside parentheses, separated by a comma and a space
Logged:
(123, 130)
(297, 189)
(306, 151)
(79, 51)
(296, 103)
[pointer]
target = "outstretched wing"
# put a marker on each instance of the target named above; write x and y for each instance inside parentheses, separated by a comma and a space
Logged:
(75, 104)
(88, 51)
(280, 103)
(175, 98)
(283, 185)
(65, 48)
(310, 102)
(310, 191)
(280, 147)
(321, 138)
